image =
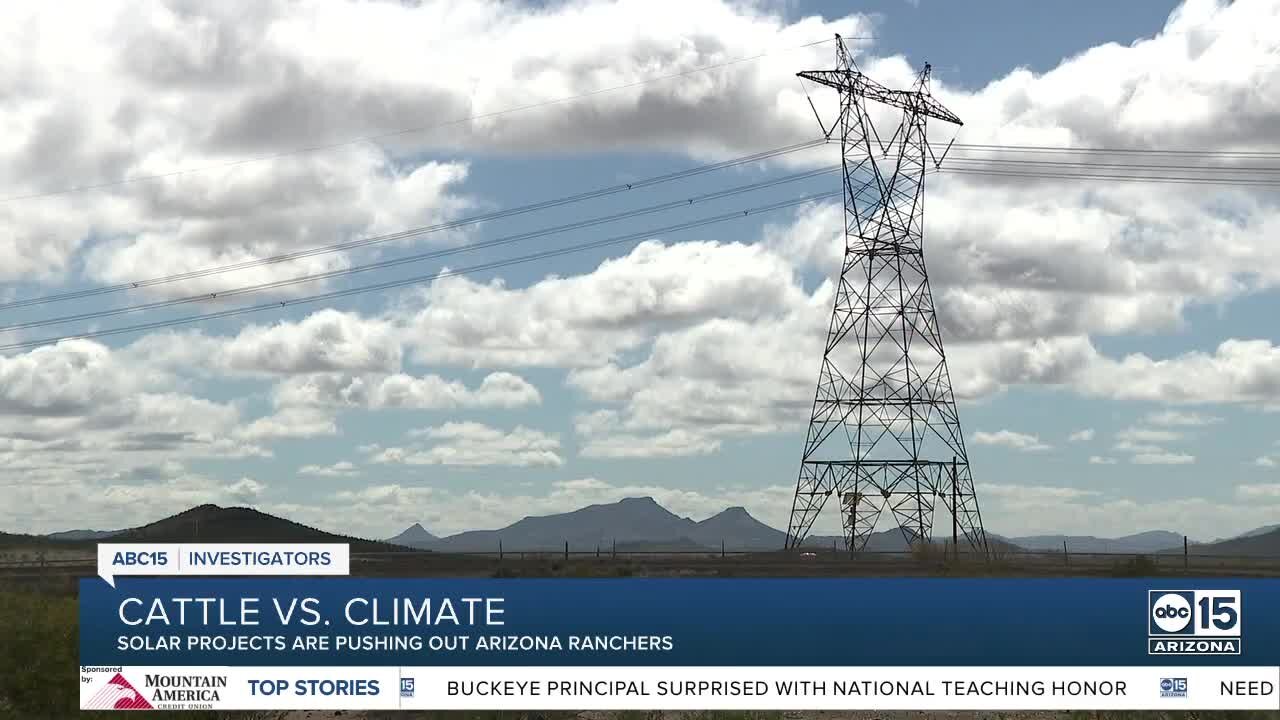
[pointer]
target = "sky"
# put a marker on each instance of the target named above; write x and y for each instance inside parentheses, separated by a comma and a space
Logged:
(1112, 344)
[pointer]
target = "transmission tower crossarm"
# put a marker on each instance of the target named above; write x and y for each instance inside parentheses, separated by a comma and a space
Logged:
(856, 83)
(851, 81)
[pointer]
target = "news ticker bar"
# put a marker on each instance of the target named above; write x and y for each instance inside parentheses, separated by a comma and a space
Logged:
(680, 688)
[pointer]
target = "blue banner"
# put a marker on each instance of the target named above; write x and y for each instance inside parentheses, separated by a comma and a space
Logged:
(673, 622)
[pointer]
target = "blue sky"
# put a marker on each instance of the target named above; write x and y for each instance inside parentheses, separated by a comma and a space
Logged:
(1113, 343)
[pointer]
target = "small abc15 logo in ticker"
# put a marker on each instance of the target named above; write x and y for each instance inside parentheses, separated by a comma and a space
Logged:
(1193, 622)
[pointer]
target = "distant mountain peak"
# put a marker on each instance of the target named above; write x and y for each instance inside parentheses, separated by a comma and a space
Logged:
(737, 513)
(645, 500)
(414, 535)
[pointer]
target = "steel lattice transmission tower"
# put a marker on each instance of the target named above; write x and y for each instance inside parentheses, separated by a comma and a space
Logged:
(884, 432)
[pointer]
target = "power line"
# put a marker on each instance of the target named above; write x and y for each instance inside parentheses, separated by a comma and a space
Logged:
(413, 232)
(622, 187)
(581, 247)
(518, 260)
(1124, 166)
(1247, 182)
(431, 255)
(1067, 150)
(1114, 150)
(967, 166)
(413, 130)
(972, 166)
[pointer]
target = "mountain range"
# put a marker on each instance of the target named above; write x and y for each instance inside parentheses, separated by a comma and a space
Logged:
(213, 524)
(627, 522)
(1264, 543)
(642, 523)
(76, 535)
(632, 524)
(1256, 531)
(1147, 542)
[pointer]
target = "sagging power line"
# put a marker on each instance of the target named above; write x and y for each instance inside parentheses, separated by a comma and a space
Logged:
(965, 167)
(430, 255)
(961, 164)
(419, 279)
(592, 194)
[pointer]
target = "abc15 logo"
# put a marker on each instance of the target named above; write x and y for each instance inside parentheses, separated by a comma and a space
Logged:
(1197, 613)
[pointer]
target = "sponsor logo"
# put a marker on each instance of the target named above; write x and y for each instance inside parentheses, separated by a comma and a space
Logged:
(1193, 622)
(179, 691)
(118, 694)
(1173, 687)
(406, 687)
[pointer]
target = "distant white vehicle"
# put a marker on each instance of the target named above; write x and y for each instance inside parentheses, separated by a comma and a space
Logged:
(808, 554)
